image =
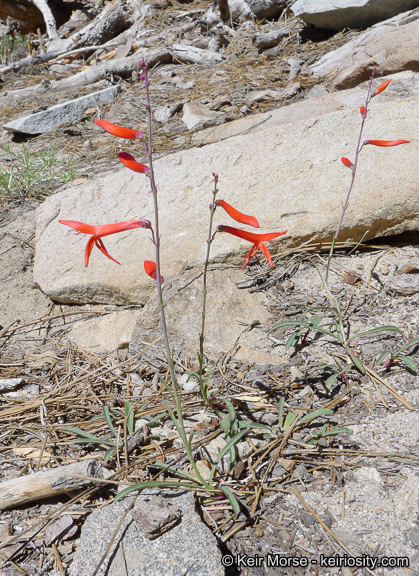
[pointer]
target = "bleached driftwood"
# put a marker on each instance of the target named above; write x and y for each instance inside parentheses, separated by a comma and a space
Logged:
(122, 67)
(48, 18)
(51, 56)
(40, 485)
(191, 55)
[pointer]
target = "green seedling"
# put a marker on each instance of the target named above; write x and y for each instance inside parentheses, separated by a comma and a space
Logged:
(27, 175)
(324, 433)
(391, 357)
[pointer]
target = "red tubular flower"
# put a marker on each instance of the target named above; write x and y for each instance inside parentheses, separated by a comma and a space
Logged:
(256, 239)
(362, 110)
(386, 143)
(381, 88)
(236, 215)
(130, 162)
(119, 131)
(347, 162)
(151, 269)
(100, 230)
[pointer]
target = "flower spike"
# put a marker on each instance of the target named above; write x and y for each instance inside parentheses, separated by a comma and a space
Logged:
(386, 143)
(100, 230)
(236, 215)
(130, 162)
(151, 269)
(256, 239)
(119, 131)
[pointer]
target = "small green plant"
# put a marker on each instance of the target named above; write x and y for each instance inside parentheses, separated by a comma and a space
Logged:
(114, 417)
(333, 323)
(324, 433)
(285, 422)
(10, 46)
(23, 174)
(391, 357)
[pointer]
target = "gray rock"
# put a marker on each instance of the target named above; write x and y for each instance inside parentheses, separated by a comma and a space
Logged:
(286, 171)
(164, 113)
(349, 13)
(406, 284)
(106, 333)
(414, 538)
(249, 9)
(197, 116)
(228, 313)
(391, 48)
(177, 551)
(59, 114)
(188, 384)
(268, 418)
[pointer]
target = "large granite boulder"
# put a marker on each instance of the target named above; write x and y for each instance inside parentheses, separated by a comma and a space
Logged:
(288, 174)
(341, 14)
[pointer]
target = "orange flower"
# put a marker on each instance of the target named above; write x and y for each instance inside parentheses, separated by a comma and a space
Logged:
(100, 230)
(119, 131)
(256, 239)
(347, 162)
(362, 110)
(386, 143)
(130, 162)
(236, 215)
(151, 269)
(381, 88)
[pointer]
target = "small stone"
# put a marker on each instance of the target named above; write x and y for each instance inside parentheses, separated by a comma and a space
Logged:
(187, 383)
(414, 538)
(268, 418)
(385, 270)
(308, 519)
(296, 374)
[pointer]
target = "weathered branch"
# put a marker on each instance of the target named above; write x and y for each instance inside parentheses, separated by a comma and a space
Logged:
(53, 482)
(48, 18)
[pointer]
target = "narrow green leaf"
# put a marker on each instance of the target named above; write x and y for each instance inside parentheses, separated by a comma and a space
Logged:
(247, 424)
(383, 356)
(375, 330)
(224, 450)
(408, 361)
(330, 381)
(174, 470)
(108, 419)
(315, 414)
(292, 340)
(357, 362)
(281, 411)
(291, 416)
(225, 423)
(129, 415)
(336, 431)
(231, 498)
(97, 441)
(108, 454)
(233, 417)
(80, 432)
(409, 345)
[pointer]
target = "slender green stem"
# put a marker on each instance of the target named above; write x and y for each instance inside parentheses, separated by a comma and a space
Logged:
(354, 167)
(156, 238)
(204, 294)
